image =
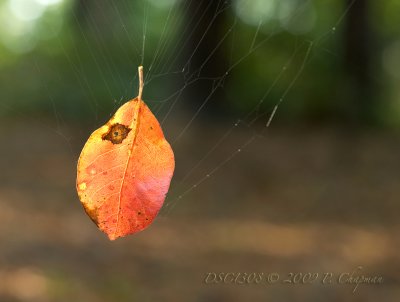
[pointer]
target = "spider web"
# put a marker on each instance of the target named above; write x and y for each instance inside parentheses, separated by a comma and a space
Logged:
(163, 61)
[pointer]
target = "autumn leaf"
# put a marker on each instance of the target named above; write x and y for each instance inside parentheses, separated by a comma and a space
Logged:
(125, 169)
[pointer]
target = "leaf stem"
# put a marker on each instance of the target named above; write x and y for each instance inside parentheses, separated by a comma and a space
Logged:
(141, 84)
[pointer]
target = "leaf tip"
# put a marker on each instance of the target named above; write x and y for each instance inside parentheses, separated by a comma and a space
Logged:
(112, 236)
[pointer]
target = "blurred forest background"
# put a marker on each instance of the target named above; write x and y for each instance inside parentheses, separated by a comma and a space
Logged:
(318, 192)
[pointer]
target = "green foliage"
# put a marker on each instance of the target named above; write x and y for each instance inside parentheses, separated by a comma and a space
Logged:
(82, 60)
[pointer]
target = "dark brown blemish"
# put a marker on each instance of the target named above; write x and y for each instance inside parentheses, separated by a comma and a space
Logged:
(116, 134)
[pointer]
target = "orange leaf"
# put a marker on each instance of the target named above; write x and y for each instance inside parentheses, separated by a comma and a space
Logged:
(125, 169)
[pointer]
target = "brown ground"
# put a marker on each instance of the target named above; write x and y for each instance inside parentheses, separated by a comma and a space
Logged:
(299, 200)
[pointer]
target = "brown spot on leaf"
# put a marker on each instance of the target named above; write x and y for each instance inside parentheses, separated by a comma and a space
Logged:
(117, 133)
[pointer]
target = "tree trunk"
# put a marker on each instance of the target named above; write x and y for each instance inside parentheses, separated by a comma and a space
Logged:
(206, 26)
(357, 39)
